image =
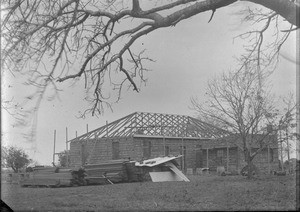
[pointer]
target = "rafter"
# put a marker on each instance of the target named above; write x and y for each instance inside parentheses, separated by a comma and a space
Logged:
(155, 124)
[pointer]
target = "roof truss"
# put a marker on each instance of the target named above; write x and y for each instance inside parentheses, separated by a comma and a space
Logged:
(155, 124)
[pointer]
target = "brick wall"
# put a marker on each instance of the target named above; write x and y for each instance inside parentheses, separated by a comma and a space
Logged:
(97, 150)
(261, 160)
(187, 147)
(139, 148)
(218, 157)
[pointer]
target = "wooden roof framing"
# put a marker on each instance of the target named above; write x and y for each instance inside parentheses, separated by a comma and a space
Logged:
(155, 124)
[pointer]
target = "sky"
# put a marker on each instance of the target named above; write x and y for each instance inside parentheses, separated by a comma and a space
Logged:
(186, 57)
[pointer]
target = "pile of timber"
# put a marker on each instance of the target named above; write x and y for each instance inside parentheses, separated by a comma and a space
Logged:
(106, 172)
(49, 177)
(133, 172)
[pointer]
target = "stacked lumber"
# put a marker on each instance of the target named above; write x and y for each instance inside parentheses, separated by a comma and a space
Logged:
(112, 171)
(133, 172)
(49, 177)
(44, 169)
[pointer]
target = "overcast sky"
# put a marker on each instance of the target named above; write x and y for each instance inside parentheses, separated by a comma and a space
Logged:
(186, 56)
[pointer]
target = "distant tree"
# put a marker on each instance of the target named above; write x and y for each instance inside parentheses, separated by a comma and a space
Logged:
(287, 136)
(3, 156)
(63, 158)
(15, 158)
(241, 103)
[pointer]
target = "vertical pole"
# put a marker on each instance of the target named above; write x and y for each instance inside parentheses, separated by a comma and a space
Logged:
(53, 162)
(107, 129)
(227, 162)
(164, 142)
(87, 128)
(281, 149)
(76, 133)
(207, 158)
(269, 168)
(182, 160)
(107, 141)
(237, 159)
(288, 148)
(67, 153)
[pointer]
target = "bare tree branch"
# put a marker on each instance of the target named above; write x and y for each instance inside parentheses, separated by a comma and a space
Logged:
(57, 41)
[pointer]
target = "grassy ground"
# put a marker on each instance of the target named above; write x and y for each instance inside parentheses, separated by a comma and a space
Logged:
(202, 193)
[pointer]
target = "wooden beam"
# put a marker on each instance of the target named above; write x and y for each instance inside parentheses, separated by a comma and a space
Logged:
(227, 162)
(67, 156)
(159, 136)
(207, 164)
(54, 140)
(269, 168)
(175, 127)
(238, 156)
(164, 142)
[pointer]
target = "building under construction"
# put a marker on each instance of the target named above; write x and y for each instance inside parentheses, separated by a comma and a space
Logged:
(140, 136)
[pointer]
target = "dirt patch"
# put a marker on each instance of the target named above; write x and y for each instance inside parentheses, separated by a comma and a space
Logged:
(202, 193)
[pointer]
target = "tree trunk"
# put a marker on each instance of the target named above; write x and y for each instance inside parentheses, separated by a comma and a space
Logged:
(250, 168)
(250, 165)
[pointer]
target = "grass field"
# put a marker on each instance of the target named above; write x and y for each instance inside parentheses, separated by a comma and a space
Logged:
(202, 193)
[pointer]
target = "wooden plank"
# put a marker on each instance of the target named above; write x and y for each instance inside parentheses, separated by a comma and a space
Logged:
(65, 170)
(107, 179)
(65, 182)
(107, 168)
(164, 176)
(50, 169)
(177, 171)
(96, 180)
(108, 162)
(39, 182)
(63, 174)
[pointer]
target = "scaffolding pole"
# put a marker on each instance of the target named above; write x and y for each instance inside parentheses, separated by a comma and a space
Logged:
(207, 158)
(227, 162)
(54, 140)
(67, 153)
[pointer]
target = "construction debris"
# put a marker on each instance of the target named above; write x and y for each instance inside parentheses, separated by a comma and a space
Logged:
(108, 172)
(48, 177)
(113, 171)
(163, 169)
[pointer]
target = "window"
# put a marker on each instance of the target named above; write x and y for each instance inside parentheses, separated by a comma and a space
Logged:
(183, 158)
(146, 149)
(199, 147)
(271, 156)
(220, 153)
(115, 150)
(167, 150)
(83, 154)
(199, 156)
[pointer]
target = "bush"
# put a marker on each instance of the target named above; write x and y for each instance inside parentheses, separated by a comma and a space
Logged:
(15, 158)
